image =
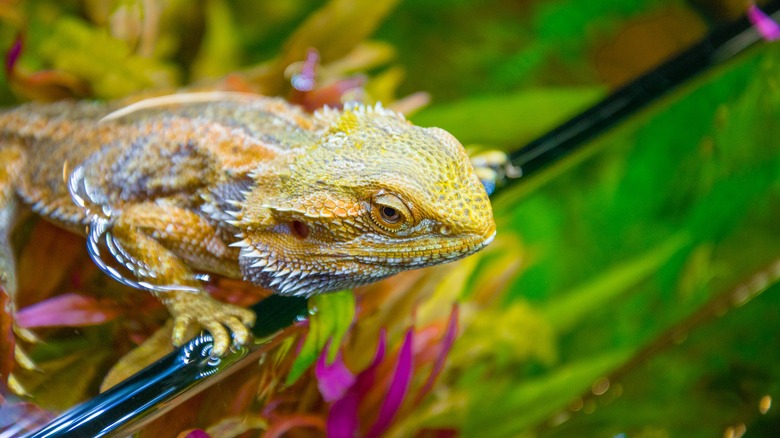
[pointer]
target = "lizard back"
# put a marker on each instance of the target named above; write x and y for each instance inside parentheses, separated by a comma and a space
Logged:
(177, 151)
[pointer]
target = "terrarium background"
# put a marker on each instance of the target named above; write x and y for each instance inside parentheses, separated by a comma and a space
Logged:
(632, 288)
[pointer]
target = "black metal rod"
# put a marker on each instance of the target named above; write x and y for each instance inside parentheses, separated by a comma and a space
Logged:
(720, 45)
(146, 395)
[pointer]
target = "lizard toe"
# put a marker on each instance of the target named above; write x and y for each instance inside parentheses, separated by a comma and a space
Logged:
(241, 334)
(246, 316)
(180, 325)
(230, 321)
(220, 335)
(220, 319)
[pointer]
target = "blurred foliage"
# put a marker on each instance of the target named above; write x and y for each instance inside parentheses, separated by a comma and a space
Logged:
(631, 289)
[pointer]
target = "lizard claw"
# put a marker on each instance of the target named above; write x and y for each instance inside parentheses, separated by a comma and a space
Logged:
(220, 319)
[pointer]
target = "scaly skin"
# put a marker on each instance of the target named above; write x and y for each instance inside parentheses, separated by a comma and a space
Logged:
(245, 187)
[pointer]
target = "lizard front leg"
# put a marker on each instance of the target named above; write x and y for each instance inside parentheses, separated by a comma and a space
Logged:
(152, 241)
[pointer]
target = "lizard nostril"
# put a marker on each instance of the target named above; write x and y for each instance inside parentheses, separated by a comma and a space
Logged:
(299, 229)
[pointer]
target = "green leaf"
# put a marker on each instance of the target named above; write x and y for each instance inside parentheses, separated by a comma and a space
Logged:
(106, 62)
(220, 51)
(331, 316)
(334, 30)
(566, 312)
(713, 378)
(508, 120)
(523, 404)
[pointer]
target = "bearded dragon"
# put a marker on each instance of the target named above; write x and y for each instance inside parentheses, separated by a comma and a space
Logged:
(172, 188)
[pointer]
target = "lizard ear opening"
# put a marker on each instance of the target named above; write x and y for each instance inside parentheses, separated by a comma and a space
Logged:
(299, 229)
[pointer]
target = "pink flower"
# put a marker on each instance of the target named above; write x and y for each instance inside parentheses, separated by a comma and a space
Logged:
(766, 26)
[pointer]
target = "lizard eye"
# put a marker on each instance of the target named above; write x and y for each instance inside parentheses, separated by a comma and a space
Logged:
(389, 212)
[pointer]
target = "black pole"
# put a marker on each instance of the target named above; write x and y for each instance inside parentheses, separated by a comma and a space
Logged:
(720, 45)
(147, 395)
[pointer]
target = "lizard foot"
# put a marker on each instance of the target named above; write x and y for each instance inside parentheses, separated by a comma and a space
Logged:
(220, 319)
(492, 166)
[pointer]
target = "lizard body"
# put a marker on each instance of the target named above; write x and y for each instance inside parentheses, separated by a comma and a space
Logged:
(245, 187)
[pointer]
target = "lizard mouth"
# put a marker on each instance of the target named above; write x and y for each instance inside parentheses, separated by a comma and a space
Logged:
(428, 251)
(490, 237)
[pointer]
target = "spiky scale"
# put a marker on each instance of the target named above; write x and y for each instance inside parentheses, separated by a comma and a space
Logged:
(240, 244)
(259, 263)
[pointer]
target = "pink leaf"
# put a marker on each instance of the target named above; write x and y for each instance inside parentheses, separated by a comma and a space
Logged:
(69, 310)
(306, 79)
(766, 26)
(343, 414)
(399, 386)
(197, 433)
(17, 418)
(12, 55)
(333, 380)
(342, 417)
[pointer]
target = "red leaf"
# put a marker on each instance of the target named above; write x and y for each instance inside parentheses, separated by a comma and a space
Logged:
(285, 424)
(69, 310)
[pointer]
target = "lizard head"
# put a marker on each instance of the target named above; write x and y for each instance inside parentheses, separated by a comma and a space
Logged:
(374, 196)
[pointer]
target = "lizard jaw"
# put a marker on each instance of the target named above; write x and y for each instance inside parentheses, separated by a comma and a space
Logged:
(432, 254)
(299, 277)
(270, 267)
